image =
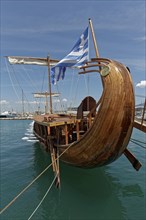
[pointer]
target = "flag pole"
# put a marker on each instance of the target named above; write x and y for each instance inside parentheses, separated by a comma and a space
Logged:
(93, 36)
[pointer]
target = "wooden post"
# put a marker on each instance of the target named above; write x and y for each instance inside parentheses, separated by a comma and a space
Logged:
(90, 120)
(94, 39)
(49, 84)
(52, 156)
(55, 165)
(66, 134)
(48, 129)
(77, 130)
(58, 183)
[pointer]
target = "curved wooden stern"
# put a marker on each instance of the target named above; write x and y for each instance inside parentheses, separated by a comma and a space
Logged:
(111, 130)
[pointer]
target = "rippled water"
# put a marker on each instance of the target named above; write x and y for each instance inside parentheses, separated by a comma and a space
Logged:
(113, 192)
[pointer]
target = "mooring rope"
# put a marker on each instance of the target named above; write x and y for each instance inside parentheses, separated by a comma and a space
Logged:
(138, 142)
(13, 200)
(42, 198)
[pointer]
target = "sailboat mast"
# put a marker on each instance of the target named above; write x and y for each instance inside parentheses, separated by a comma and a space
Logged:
(22, 103)
(49, 84)
(93, 36)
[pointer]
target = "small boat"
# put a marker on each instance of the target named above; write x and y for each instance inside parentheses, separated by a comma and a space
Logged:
(100, 131)
(8, 114)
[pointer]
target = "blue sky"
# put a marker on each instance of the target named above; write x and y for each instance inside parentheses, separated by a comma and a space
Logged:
(38, 28)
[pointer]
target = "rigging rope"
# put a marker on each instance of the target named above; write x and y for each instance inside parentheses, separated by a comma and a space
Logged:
(142, 142)
(11, 80)
(12, 201)
(59, 97)
(42, 89)
(142, 96)
(138, 142)
(42, 198)
(76, 91)
(34, 86)
(71, 88)
(29, 78)
(21, 88)
(86, 83)
(30, 81)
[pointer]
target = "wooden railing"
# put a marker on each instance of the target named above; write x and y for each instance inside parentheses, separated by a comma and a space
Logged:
(140, 122)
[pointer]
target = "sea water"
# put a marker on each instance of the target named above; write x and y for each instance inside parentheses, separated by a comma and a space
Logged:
(112, 192)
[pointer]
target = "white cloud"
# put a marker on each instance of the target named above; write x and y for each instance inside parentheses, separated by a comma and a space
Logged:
(3, 102)
(56, 101)
(64, 100)
(141, 38)
(142, 84)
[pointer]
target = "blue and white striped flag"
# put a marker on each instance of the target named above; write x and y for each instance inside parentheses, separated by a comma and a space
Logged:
(76, 58)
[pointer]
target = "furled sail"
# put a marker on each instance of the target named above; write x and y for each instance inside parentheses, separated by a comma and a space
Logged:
(31, 61)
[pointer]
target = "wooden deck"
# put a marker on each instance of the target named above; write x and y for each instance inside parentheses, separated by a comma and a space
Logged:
(55, 120)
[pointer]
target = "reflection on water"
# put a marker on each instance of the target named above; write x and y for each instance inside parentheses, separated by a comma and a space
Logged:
(132, 190)
(85, 194)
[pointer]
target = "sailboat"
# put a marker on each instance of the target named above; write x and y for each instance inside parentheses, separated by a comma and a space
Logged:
(102, 135)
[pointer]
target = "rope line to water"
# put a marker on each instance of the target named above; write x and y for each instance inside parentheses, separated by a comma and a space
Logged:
(13, 200)
(25, 189)
(42, 198)
(136, 142)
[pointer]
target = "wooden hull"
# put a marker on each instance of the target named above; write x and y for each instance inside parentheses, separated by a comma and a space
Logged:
(109, 134)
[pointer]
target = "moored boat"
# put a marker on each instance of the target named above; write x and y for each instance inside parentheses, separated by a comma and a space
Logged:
(100, 131)
(101, 136)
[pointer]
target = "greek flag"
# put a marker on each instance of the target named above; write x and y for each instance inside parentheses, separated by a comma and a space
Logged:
(76, 58)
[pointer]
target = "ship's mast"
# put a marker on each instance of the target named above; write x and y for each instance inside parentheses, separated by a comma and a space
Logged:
(46, 106)
(49, 84)
(93, 37)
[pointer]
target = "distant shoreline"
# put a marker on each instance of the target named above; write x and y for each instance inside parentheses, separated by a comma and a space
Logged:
(16, 118)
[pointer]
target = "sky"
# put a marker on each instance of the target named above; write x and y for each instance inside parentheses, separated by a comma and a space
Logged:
(39, 28)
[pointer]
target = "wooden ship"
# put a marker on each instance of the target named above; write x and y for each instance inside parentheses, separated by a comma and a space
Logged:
(99, 137)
